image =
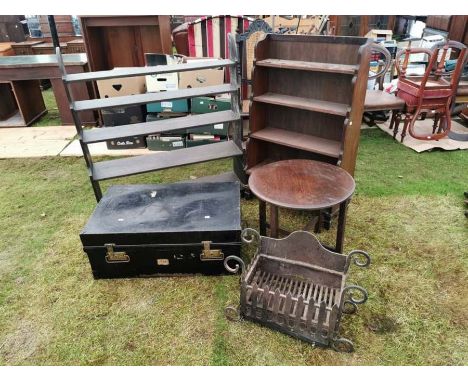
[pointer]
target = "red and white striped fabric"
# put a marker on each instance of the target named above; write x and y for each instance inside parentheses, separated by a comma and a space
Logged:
(207, 36)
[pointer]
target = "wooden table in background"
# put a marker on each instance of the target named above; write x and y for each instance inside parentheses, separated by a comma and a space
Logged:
(23, 73)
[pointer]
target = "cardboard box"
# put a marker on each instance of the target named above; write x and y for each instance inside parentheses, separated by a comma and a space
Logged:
(161, 82)
(164, 82)
(391, 46)
(201, 142)
(117, 116)
(165, 143)
(159, 116)
(175, 106)
(119, 87)
(429, 41)
(201, 78)
(124, 116)
(380, 34)
(220, 129)
(201, 105)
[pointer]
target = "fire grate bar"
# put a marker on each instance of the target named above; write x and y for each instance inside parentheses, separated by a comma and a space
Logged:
(266, 284)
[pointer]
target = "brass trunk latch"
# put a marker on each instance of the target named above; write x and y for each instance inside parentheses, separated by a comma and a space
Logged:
(115, 257)
(210, 254)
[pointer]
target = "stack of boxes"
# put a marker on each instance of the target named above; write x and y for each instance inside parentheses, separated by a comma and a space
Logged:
(119, 87)
(167, 109)
(178, 108)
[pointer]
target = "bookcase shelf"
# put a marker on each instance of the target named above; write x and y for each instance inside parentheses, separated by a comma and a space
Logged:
(299, 141)
(110, 169)
(309, 66)
(308, 99)
(303, 103)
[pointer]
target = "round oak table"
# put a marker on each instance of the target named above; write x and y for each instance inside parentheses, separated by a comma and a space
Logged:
(301, 184)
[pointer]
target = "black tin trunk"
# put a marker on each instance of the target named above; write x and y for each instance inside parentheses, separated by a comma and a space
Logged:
(151, 230)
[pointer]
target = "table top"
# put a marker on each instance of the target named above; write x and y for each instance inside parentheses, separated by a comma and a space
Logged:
(30, 61)
(301, 184)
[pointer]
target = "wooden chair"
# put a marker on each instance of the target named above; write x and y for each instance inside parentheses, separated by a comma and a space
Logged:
(433, 92)
(378, 99)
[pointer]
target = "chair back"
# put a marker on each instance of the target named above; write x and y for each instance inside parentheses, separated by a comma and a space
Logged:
(444, 51)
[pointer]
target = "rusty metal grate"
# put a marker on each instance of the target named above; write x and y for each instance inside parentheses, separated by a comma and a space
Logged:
(296, 286)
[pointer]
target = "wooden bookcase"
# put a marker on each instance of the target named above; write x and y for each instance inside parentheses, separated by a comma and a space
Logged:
(308, 99)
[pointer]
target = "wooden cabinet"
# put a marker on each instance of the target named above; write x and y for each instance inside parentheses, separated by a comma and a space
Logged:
(458, 30)
(122, 41)
(308, 98)
(63, 24)
(456, 26)
(353, 25)
(11, 28)
(438, 22)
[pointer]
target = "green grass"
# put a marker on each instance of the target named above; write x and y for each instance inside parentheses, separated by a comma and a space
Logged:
(52, 118)
(407, 212)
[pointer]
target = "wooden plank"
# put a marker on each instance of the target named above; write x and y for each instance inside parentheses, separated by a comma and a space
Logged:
(158, 161)
(157, 127)
(299, 141)
(145, 70)
(308, 66)
(141, 99)
(303, 103)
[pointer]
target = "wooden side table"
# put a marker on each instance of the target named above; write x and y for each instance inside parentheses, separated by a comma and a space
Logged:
(22, 72)
(301, 185)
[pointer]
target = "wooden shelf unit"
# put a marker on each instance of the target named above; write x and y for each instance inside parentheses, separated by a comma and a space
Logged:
(116, 168)
(308, 99)
(122, 41)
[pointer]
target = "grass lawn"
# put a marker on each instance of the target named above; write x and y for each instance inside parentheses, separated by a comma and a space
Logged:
(52, 118)
(407, 213)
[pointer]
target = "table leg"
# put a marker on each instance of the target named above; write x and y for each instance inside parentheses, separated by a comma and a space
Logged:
(79, 92)
(274, 223)
(341, 227)
(62, 101)
(262, 217)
